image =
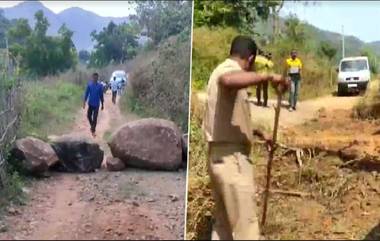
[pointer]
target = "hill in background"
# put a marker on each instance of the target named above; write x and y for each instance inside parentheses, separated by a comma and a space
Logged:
(81, 21)
(353, 45)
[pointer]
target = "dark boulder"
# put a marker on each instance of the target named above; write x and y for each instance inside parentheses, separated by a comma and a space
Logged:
(77, 153)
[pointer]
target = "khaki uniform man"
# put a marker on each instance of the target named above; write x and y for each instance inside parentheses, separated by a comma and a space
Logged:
(227, 127)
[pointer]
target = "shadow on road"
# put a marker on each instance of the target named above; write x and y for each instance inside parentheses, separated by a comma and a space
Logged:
(349, 94)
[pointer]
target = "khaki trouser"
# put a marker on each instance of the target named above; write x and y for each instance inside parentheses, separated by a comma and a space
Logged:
(234, 192)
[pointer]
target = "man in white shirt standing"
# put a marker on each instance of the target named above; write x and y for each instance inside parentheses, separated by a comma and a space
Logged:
(114, 89)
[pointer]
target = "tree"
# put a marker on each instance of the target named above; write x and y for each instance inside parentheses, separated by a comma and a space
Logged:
(162, 19)
(42, 24)
(40, 54)
(5, 24)
(295, 30)
(115, 43)
(84, 56)
(67, 48)
(372, 59)
(275, 11)
(240, 14)
(19, 32)
(327, 50)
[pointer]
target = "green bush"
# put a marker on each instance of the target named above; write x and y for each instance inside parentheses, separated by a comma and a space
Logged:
(210, 47)
(12, 182)
(159, 82)
(49, 107)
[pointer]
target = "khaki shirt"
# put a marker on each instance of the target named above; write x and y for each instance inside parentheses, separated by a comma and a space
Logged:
(227, 115)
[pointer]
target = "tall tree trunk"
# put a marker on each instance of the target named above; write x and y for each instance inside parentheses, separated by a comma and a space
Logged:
(276, 20)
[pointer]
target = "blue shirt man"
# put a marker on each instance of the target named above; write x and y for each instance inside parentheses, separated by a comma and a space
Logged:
(94, 95)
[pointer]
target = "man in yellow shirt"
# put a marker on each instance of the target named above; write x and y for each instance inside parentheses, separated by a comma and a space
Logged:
(228, 131)
(294, 69)
(260, 67)
(264, 87)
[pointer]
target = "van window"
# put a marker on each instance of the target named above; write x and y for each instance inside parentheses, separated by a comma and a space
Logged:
(353, 65)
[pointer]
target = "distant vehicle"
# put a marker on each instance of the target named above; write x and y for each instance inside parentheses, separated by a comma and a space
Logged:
(353, 75)
(121, 79)
(120, 75)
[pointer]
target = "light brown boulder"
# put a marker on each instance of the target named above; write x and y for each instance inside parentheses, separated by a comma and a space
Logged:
(36, 155)
(151, 143)
(114, 164)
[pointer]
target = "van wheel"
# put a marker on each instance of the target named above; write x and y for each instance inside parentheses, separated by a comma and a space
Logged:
(340, 90)
(365, 87)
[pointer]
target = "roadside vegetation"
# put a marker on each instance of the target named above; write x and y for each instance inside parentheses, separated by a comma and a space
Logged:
(368, 108)
(155, 76)
(49, 107)
(159, 75)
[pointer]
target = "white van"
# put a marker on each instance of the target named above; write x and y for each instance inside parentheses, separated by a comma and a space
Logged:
(119, 75)
(353, 75)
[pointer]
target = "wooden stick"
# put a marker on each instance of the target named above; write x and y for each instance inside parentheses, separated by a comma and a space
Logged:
(288, 192)
(270, 157)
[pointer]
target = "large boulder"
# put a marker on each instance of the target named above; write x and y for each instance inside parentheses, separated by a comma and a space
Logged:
(114, 164)
(149, 144)
(77, 153)
(35, 155)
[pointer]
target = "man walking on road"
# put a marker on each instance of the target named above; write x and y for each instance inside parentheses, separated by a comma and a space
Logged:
(294, 68)
(228, 131)
(263, 65)
(94, 95)
(114, 89)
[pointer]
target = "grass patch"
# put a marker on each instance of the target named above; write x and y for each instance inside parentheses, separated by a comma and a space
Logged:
(210, 48)
(200, 203)
(130, 103)
(11, 190)
(369, 106)
(49, 107)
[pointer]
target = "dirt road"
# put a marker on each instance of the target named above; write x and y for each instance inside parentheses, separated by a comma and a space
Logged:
(306, 110)
(332, 199)
(132, 204)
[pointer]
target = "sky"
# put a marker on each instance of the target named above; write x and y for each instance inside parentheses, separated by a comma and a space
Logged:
(359, 18)
(102, 8)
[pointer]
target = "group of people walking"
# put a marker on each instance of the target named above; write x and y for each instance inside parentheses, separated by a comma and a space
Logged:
(264, 65)
(94, 97)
